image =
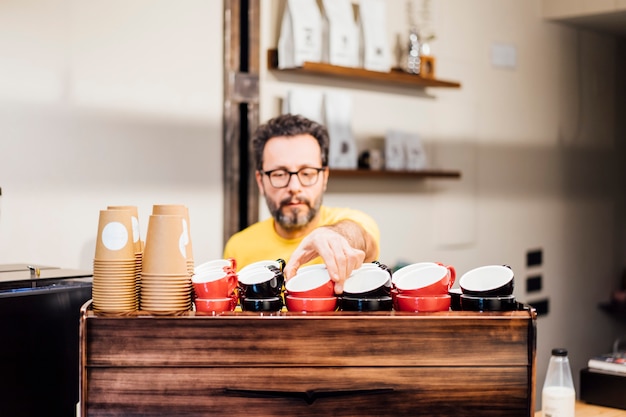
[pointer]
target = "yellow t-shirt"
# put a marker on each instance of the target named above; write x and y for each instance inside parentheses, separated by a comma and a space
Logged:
(260, 241)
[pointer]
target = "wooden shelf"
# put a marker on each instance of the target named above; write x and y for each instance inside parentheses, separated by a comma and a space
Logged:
(614, 309)
(366, 173)
(394, 77)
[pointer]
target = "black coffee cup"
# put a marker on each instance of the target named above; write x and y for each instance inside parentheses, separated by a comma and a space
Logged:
(488, 281)
(272, 304)
(262, 282)
(384, 303)
(368, 283)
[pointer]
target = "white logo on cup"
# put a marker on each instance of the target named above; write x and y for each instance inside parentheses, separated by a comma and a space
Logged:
(114, 236)
(135, 222)
(182, 245)
(185, 232)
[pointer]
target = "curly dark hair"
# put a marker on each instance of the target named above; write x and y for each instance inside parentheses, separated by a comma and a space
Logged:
(289, 125)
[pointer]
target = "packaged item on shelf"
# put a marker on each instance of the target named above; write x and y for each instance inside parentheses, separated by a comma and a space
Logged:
(395, 151)
(305, 102)
(338, 120)
(340, 34)
(300, 34)
(375, 51)
(415, 152)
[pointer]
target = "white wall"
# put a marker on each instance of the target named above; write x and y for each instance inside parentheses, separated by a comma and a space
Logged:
(120, 102)
(107, 103)
(536, 146)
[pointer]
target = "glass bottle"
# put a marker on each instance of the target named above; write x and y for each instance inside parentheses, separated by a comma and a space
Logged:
(412, 64)
(558, 397)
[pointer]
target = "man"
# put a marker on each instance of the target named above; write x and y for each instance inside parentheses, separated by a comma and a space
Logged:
(291, 155)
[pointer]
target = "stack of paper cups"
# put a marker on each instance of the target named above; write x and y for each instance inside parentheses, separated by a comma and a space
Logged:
(138, 244)
(114, 268)
(165, 280)
(181, 210)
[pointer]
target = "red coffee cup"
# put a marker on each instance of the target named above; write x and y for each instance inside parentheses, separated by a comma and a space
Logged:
(429, 280)
(225, 264)
(423, 303)
(311, 304)
(214, 283)
(215, 305)
(452, 273)
(408, 269)
(311, 283)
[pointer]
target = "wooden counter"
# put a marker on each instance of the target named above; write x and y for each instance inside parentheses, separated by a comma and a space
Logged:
(589, 410)
(325, 364)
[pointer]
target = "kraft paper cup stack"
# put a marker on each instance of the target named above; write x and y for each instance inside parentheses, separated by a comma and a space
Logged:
(165, 281)
(181, 210)
(138, 244)
(114, 288)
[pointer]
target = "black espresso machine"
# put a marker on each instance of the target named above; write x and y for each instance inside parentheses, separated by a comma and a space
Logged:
(39, 346)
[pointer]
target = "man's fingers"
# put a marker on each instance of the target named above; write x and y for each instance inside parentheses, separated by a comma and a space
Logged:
(337, 254)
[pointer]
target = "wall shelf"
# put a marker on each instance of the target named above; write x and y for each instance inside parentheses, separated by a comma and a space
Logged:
(367, 173)
(394, 77)
(614, 309)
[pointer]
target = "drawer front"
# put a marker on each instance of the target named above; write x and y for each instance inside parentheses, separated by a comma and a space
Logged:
(319, 391)
(309, 341)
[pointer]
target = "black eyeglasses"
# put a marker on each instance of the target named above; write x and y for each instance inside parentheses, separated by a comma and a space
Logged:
(279, 178)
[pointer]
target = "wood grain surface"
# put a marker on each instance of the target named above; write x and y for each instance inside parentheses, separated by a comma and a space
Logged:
(424, 364)
(590, 410)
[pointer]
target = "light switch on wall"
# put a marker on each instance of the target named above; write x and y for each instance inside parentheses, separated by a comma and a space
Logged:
(503, 55)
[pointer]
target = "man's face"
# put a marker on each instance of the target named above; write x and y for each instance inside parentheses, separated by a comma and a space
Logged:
(294, 206)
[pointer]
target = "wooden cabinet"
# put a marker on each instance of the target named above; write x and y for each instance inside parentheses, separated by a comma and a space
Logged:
(325, 364)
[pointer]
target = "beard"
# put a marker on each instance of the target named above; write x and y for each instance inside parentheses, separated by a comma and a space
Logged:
(293, 219)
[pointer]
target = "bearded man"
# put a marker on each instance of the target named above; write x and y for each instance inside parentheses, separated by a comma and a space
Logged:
(291, 156)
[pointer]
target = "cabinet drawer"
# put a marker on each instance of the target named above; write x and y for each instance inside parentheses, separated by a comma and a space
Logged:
(320, 391)
(453, 339)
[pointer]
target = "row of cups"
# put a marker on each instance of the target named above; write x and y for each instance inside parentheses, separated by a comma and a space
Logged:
(425, 286)
(368, 288)
(257, 287)
(261, 287)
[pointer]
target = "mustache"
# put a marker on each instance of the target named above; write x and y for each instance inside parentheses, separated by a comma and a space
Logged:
(289, 200)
